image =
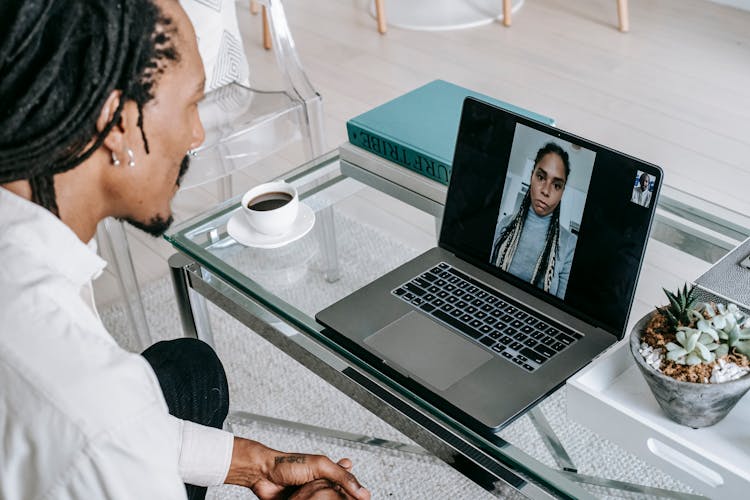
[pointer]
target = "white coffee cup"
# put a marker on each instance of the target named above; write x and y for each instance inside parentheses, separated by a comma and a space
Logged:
(271, 208)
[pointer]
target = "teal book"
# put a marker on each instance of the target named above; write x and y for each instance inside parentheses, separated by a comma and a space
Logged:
(418, 129)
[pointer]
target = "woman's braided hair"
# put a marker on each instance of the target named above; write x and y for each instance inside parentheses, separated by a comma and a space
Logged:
(506, 246)
(59, 62)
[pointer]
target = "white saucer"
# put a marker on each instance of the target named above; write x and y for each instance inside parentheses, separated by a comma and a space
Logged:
(239, 229)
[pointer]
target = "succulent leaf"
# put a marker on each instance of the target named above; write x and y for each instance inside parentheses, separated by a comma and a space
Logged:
(671, 346)
(681, 337)
(676, 355)
(692, 341)
(708, 337)
(731, 321)
(680, 305)
(693, 359)
(703, 352)
(673, 301)
(719, 322)
(733, 336)
(671, 319)
(743, 347)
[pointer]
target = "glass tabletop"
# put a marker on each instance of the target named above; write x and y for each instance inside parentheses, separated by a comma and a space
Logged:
(366, 226)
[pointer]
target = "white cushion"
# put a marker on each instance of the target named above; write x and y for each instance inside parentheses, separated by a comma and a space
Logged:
(219, 41)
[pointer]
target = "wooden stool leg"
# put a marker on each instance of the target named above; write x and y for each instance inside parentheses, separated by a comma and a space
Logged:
(622, 15)
(506, 13)
(266, 31)
(254, 7)
(380, 12)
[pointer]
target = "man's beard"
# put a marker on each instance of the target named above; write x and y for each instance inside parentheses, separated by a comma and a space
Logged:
(184, 166)
(158, 225)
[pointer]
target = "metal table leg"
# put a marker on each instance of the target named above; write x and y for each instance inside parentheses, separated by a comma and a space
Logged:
(551, 441)
(190, 304)
(569, 468)
(244, 418)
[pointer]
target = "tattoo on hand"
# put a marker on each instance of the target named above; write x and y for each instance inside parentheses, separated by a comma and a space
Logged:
(291, 459)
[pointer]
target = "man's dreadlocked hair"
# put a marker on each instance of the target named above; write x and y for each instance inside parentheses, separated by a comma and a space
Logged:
(507, 244)
(59, 61)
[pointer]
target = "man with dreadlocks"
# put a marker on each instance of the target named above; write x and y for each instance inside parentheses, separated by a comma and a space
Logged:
(98, 107)
(531, 244)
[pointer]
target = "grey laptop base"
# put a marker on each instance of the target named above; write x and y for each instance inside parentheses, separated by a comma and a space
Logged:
(488, 392)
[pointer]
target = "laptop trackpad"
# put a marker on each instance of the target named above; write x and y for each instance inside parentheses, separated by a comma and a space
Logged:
(423, 347)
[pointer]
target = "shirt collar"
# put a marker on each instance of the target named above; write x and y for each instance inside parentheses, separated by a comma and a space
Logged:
(38, 232)
(541, 218)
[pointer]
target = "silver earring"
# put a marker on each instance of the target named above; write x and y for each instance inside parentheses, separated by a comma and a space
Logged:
(192, 153)
(115, 160)
(131, 158)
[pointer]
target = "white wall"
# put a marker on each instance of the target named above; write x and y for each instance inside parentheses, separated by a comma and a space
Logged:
(740, 4)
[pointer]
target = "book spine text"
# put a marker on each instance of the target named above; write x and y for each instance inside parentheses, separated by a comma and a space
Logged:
(399, 153)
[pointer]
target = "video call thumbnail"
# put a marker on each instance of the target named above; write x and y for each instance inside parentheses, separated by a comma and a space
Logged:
(642, 189)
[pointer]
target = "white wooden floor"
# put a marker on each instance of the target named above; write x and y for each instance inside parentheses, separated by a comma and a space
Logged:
(674, 91)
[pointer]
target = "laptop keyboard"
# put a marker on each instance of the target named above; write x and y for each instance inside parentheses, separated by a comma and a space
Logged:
(489, 318)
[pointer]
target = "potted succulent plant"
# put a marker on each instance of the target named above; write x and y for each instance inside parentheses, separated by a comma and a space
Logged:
(694, 357)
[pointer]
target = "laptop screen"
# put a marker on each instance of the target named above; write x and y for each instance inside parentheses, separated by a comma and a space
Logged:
(559, 216)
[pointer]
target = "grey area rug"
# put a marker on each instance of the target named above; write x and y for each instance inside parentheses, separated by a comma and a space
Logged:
(265, 381)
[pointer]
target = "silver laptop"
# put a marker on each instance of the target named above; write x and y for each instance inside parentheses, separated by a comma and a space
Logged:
(542, 241)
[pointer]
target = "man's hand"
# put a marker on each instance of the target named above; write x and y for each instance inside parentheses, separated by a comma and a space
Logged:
(275, 475)
(320, 489)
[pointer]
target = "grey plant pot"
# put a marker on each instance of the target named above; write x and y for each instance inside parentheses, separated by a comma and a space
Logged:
(687, 403)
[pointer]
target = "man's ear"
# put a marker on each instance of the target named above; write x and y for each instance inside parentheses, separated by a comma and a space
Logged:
(115, 140)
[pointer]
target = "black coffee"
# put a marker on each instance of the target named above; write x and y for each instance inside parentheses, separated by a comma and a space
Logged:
(269, 201)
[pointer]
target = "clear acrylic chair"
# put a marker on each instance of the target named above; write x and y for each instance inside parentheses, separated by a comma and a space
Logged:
(243, 126)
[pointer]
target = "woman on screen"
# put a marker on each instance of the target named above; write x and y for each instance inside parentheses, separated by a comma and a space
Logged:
(531, 244)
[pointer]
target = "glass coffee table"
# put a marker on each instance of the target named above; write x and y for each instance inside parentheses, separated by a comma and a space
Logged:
(367, 224)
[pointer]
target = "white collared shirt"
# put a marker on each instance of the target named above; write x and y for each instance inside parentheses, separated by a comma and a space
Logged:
(79, 416)
(643, 198)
